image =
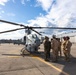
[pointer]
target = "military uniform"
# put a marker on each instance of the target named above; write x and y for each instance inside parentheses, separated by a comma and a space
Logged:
(66, 49)
(54, 46)
(59, 48)
(47, 47)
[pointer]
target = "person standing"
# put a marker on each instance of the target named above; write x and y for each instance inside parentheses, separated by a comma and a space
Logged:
(59, 48)
(67, 48)
(54, 46)
(47, 47)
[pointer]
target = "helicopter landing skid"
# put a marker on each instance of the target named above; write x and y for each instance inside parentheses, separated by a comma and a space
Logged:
(24, 51)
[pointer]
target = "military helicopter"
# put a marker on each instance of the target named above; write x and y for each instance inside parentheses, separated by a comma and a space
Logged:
(32, 41)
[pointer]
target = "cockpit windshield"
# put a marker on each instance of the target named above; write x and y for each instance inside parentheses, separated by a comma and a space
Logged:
(34, 36)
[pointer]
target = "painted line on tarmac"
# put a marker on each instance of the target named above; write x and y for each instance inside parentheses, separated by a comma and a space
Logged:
(13, 56)
(45, 63)
(50, 65)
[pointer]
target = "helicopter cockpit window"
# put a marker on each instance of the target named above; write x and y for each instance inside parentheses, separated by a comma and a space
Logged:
(34, 36)
(28, 31)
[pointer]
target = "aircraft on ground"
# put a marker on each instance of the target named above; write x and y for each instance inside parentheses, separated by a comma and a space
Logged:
(32, 41)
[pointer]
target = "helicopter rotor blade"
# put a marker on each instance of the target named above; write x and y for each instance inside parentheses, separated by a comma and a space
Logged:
(61, 28)
(11, 30)
(36, 31)
(36, 27)
(53, 28)
(12, 23)
(32, 28)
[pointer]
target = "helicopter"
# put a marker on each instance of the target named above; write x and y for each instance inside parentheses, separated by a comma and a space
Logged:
(32, 41)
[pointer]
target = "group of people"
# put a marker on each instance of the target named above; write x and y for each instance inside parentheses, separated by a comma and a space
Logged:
(57, 46)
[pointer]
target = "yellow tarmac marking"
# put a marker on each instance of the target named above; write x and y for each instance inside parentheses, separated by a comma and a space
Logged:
(50, 65)
(45, 63)
(14, 56)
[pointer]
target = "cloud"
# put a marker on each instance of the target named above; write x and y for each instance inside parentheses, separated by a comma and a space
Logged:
(61, 11)
(2, 2)
(5, 26)
(10, 35)
(60, 14)
(44, 4)
(42, 21)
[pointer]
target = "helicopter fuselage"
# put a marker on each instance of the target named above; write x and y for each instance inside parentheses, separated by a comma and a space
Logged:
(32, 43)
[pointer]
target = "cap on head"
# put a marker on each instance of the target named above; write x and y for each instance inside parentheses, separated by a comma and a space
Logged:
(46, 37)
(64, 38)
(54, 36)
(67, 37)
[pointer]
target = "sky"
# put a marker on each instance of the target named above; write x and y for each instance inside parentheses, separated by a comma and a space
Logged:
(43, 13)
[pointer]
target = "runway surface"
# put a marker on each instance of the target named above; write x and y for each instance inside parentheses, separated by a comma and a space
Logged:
(13, 63)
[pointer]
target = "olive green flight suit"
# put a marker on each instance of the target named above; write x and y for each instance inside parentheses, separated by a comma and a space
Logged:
(47, 47)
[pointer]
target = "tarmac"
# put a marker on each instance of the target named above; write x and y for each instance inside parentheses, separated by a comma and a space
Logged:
(13, 63)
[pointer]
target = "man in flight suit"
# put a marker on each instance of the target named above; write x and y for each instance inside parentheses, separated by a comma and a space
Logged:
(47, 47)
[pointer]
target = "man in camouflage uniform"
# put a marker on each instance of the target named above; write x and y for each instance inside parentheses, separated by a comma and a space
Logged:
(54, 46)
(47, 47)
(67, 48)
(59, 48)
